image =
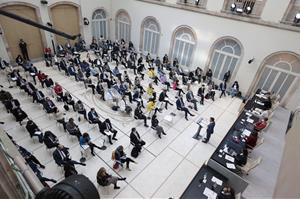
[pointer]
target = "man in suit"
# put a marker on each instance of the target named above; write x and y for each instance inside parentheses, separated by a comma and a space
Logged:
(163, 97)
(138, 114)
(190, 98)
(209, 130)
(93, 117)
(23, 48)
(106, 126)
(49, 106)
(201, 91)
(61, 156)
(180, 106)
(38, 96)
(136, 140)
(11, 105)
(223, 87)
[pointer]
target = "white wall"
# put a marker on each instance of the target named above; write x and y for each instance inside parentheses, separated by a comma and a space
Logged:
(214, 5)
(274, 11)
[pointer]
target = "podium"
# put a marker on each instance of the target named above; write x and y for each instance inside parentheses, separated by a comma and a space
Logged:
(201, 123)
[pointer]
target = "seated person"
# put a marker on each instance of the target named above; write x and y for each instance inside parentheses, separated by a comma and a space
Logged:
(177, 87)
(50, 140)
(137, 95)
(234, 89)
(120, 157)
(61, 156)
(190, 98)
(11, 105)
(105, 127)
(67, 98)
(73, 129)
(267, 104)
(163, 97)
(79, 107)
(93, 117)
(136, 140)
(117, 73)
(42, 77)
(251, 140)
(201, 92)
(86, 140)
(72, 71)
(29, 156)
(155, 125)
(163, 80)
(34, 130)
(241, 159)
(261, 124)
(49, 83)
(19, 114)
(80, 75)
(138, 114)
(38, 96)
(88, 83)
(151, 106)
(226, 193)
(100, 90)
(151, 92)
(49, 106)
(180, 106)
(123, 89)
(58, 90)
(152, 75)
(104, 179)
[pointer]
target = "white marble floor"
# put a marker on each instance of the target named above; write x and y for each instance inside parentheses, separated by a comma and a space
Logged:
(165, 167)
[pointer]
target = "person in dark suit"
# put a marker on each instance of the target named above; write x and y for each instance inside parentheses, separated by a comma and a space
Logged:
(241, 159)
(73, 129)
(38, 96)
(106, 126)
(11, 105)
(190, 98)
(50, 140)
(29, 156)
(63, 66)
(49, 106)
(180, 106)
(67, 98)
(209, 130)
(155, 125)
(163, 97)
(136, 140)
(61, 156)
(23, 48)
(94, 118)
(34, 130)
(223, 87)
(138, 114)
(201, 92)
(19, 114)
(226, 76)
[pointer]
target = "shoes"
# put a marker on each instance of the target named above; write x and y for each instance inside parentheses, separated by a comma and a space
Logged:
(109, 140)
(146, 125)
(186, 118)
(116, 187)
(164, 133)
(192, 115)
(83, 164)
(42, 166)
(123, 179)
(93, 154)
(128, 169)
(114, 138)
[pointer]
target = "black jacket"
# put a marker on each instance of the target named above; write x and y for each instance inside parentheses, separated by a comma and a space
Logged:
(58, 158)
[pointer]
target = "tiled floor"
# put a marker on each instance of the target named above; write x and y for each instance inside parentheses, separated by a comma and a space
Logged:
(165, 167)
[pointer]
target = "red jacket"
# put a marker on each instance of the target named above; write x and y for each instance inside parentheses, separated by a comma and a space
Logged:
(260, 125)
(58, 89)
(251, 141)
(42, 76)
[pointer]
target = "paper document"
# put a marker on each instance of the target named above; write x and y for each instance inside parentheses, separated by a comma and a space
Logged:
(217, 181)
(246, 132)
(228, 157)
(230, 166)
(209, 193)
(249, 114)
(38, 132)
(250, 120)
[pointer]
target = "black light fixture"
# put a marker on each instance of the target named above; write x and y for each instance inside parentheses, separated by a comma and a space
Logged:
(250, 60)
(197, 2)
(297, 18)
(248, 10)
(44, 2)
(232, 7)
(86, 21)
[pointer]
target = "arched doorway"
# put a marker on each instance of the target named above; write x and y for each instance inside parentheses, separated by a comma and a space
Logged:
(225, 56)
(99, 24)
(14, 30)
(123, 26)
(65, 18)
(280, 73)
(150, 36)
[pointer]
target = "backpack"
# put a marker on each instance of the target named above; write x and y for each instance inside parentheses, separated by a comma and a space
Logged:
(135, 152)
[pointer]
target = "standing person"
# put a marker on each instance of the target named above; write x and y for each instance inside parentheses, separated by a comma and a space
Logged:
(223, 87)
(201, 92)
(226, 76)
(23, 48)
(209, 130)
(234, 89)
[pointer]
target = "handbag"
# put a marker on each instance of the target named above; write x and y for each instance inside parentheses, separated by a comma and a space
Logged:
(116, 165)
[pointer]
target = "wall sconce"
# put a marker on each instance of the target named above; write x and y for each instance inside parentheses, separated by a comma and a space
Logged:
(250, 60)
(44, 2)
(86, 21)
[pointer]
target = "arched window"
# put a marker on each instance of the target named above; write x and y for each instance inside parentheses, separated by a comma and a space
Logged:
(226, 55)
(279, 73)
(183, 46)
(123, 26)
(151, 36)
(99, 24)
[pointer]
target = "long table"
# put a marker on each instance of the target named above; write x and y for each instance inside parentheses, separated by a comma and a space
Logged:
(232, 144)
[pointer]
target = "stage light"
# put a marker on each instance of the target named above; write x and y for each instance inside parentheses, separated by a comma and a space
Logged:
(248, 9)
(297, 18)
(233, 6)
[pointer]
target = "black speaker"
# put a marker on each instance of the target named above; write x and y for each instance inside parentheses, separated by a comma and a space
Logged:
(73, 187)
(44, 2)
